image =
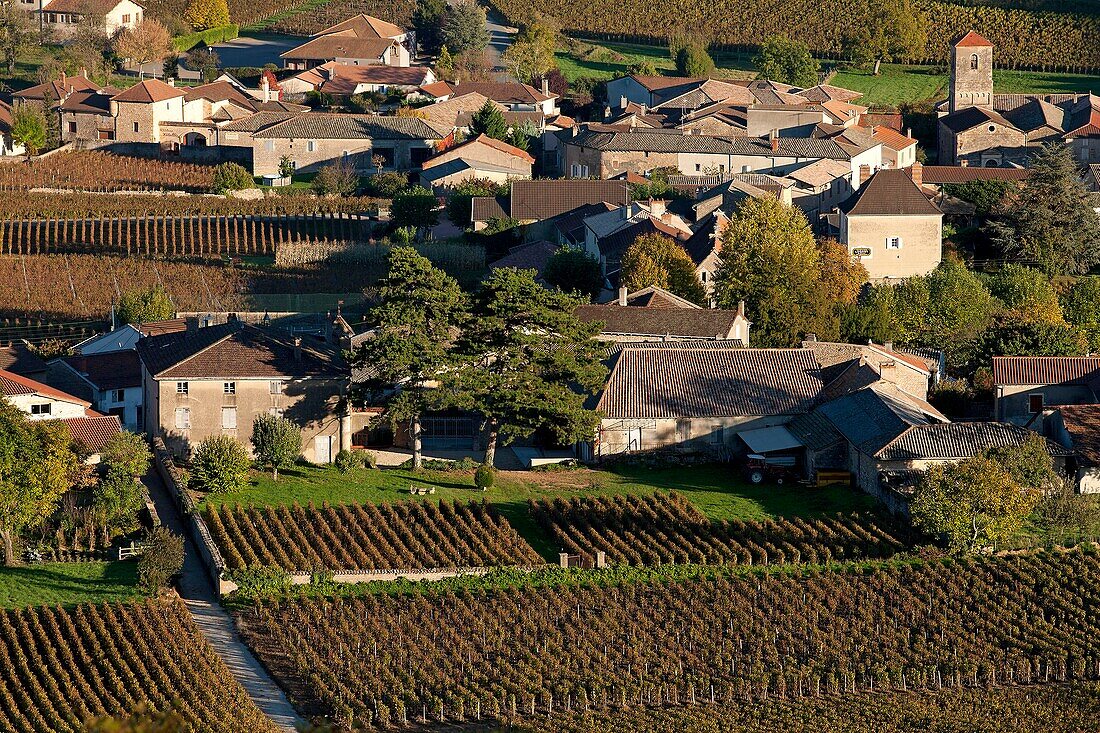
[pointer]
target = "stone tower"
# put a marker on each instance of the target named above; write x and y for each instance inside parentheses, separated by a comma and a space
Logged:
(971, 72)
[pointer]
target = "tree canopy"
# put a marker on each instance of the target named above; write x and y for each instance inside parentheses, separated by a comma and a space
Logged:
(18, 33)
(28, 128)
(145, 42)
(145, 306)
(414, 207)
(788, 62)
(276, 442)
(419, 310)
(531, 55)
(489, 120)
(895, 29)
(1052, 223)
(693, 60)
(464, 28)
(427, 20)
(204, 14)
(655, 259)
(771, 261)
(220, 465)
(525, 362)
(574, 271)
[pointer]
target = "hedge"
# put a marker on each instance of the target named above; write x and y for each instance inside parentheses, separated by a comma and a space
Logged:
(210, 36)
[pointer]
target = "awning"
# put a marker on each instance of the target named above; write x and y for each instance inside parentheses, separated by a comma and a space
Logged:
(766, 440)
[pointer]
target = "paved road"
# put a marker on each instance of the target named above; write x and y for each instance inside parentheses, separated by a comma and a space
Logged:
(256, 50)
(217, 625)
(501, 37)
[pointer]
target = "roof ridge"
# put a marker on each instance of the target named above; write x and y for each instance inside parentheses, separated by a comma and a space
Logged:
(230, 332)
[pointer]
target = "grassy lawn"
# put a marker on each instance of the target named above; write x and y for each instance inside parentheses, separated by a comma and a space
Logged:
(607, 60)
(716, 490)
(68, 584)
(895, 84)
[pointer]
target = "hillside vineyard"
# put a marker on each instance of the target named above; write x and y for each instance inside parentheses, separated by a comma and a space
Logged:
(531, 652)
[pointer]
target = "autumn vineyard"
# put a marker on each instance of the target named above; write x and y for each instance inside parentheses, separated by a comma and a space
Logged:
(666, 528)
(410, 534)
(525, 652)
(104, 172)
(60, 669)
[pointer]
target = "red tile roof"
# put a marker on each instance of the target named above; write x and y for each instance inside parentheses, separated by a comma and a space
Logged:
(110, 370)
(1082, 422)
(498, 145)
(364, 26)
(962, 174)
(972, 40)
(149, 91)
(889, 192)
(58, 88)
(892, 138)
(1042, 370)
(339, 46)
(13, 384)
(93, 431)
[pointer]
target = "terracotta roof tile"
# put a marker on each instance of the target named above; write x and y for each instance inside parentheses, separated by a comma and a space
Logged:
(892, 138)
(971, 40)
(149, 91)
(110, 370)
(938, 174)
(20, 359)
(702, 323)
(93, 431)
(890, 191)
(365, 26)
(1082, 422)
(12, 384)
(544, 199)
(317, 126)
(343, 45)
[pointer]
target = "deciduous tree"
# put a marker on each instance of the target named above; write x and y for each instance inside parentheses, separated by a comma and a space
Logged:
(464, 27)
(1081, 308)
(203, 14)
(525, 362)
(414, 207)
(1052, 223)
(220, 465)
(459, 202)
(532, 53)
(574, 271)
(693, 60)
(28, 128)
(654, 259)
(1028, 294)
(128, 452)
(145, 306)
(145, 42)
(276, 442)
(18, 33)
(788, 62)
(895, 29)
(163, 558)
(419, 311)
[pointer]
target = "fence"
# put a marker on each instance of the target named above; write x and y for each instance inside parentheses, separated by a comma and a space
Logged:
(178, 235)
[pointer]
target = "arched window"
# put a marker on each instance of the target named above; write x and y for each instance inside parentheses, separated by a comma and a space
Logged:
(974, 62)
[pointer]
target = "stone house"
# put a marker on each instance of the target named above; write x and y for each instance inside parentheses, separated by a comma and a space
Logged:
(1077, 429)
(542, 200)
(654, 314)
(847, 367)
(512, 96)
(62, 18)
(1027, 387)
(892, 227)
(697, 395)
(313, 140)
(135, 115)
(361, 40)
(981, 128)
(341, 80)
(482, 158)
(216, 380)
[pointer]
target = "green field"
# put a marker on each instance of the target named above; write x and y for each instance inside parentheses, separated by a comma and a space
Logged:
(895, 84)
(68, 584)
(717, 490)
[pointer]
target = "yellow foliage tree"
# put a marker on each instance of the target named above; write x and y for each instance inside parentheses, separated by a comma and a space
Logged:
(203, 14)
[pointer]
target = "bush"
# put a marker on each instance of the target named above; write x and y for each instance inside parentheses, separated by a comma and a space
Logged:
(220, 465)
(484, 477)
(347, 460)
(127, 451)
(144, 306)
(338, 179)
(163, 558)
(261, 582)
(387, 185)
(208, 37)
(232, 177)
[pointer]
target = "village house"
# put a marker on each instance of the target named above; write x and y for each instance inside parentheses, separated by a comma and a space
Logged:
(342, 80)
(105, 117)
(62, 18)
(1025, 388)
(480, 158)
(1077, 429)
(313, 140)
(542, 200)
(981, 128)
(654, 314)
(512, 96)
(40, 401)
(110, 381)
(216, 380)
(697, 395)
(892, 227)
(358, 41)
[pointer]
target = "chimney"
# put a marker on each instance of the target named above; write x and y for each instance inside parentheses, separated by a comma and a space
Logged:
(332, 72)
(622, 295)
(741, 308)
(916, 172)
(545, 87)
(864, 174)
(909, 132)
(963, 163)
(642, 105)
(266, 87)
(811, 337)
(192, 323)
(84, 72)
(607, 112)
(888, 371)
(773, 137)
(657, 208)
(889, 345)
(623, 102)
(171, 82)
(297, 348)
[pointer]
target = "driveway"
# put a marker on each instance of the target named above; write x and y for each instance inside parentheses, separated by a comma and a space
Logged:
(256, 50)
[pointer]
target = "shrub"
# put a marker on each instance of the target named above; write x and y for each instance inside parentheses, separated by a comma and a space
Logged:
(387, 185)
(127, 451)
(117, 499)
(276, 441)
(261, 582)
(162, 559)
(346, 460)
(220, 465)
(484, 477)
(232, 177)
(338, 179)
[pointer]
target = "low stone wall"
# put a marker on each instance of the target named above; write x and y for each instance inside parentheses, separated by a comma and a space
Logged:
(200, 534)
(413, 574)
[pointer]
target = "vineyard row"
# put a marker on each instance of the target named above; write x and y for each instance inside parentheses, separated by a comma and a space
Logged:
(121, 206)
(184, 236)
(468, 655)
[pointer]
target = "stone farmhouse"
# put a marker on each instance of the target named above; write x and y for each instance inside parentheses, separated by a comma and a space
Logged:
(980, 128)
(61, 18)
(361, 40)
(1026, 388)
(481, 158)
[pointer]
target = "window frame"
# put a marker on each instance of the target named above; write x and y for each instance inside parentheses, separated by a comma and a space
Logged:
(185, 413)
(229, 411)
(229, 388)
(183, 388)
(890, 243)
(1031, 398)
(275, 386)
(42, 408)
